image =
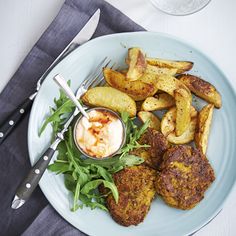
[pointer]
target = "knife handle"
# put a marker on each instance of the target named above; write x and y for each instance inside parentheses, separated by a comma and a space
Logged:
(13, 119)
(31, 181)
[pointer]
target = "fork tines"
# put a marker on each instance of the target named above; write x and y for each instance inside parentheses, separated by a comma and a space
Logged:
(93, 76)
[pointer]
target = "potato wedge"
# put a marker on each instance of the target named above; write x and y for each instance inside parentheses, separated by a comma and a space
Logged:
(137, 64)
(110, 98)
(183, 100)
(158, 102)
(137, 89)
(160, 71)
(149, 78)
(186, 137)
(181, 66)
(168, 126)
(154, 121)
(168, 122)
(203, 127)
(202, 89)
(124, 72)
(169, 84)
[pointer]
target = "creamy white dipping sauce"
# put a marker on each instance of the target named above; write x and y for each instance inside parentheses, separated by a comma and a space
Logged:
(101, 135)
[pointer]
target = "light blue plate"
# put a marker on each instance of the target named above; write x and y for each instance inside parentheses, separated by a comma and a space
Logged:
(161, 220)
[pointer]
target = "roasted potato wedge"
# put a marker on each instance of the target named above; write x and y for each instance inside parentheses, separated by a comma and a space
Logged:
(183, 100)
(137, 89)
(202, 89)
(186, 137)
(158, 102)
(160, 71)
(168, 122)
(137, 64)
(149, 78)
(111, 98)
(181, 66)
(203, 127)
(183, 97)
(154, 121)
(124, 72)
(168, 126)
(169, 84)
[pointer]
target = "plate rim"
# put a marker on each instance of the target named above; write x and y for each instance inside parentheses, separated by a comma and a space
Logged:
(152, 34)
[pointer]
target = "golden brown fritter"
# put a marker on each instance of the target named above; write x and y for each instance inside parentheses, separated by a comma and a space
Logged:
(185, 174)
(158, 145)
(136, 191)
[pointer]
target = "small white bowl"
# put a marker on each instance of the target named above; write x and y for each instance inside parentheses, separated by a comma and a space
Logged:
(123, 133)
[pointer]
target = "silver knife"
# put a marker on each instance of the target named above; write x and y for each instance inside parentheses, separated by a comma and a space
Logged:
(16, 116)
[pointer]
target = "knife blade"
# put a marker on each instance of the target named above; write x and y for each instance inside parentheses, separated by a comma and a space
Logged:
(88, 30)
(83, 36)
(16, 116)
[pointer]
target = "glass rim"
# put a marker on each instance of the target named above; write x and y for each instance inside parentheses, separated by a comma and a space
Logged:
(179, 14)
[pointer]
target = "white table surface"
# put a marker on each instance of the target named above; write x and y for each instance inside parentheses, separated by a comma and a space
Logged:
(213, 30)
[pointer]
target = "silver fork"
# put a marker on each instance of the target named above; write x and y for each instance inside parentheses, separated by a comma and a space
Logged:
(28, 185)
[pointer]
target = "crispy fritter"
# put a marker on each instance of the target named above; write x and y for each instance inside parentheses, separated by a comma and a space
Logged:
(136, 191)
(185, 174)
(158, 145)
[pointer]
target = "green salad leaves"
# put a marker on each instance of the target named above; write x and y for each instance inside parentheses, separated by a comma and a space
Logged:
(82, 177)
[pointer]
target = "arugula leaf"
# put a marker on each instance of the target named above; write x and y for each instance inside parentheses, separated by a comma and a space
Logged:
(69, 182)
(126, 161)
(131, 160)
(133, 133)
(89, 203)
(125, 116)
(104, 173)
(66, 107)
(82, 176)
(59, 167)
(94, 205)
(92, 185)
(116, 163)
(61, 148)
(76, 196)
(104, 163)
(113, 189)
(139, 132)
(73, 148)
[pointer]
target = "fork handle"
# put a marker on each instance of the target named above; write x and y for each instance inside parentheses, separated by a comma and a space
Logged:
(65, 87)
(28, 185)
(13, 119)
(31, 181)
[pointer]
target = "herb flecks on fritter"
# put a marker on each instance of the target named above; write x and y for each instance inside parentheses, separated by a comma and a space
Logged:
(136, 192)
(185, 174)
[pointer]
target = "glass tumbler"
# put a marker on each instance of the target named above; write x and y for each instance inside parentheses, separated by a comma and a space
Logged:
(180, 7)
